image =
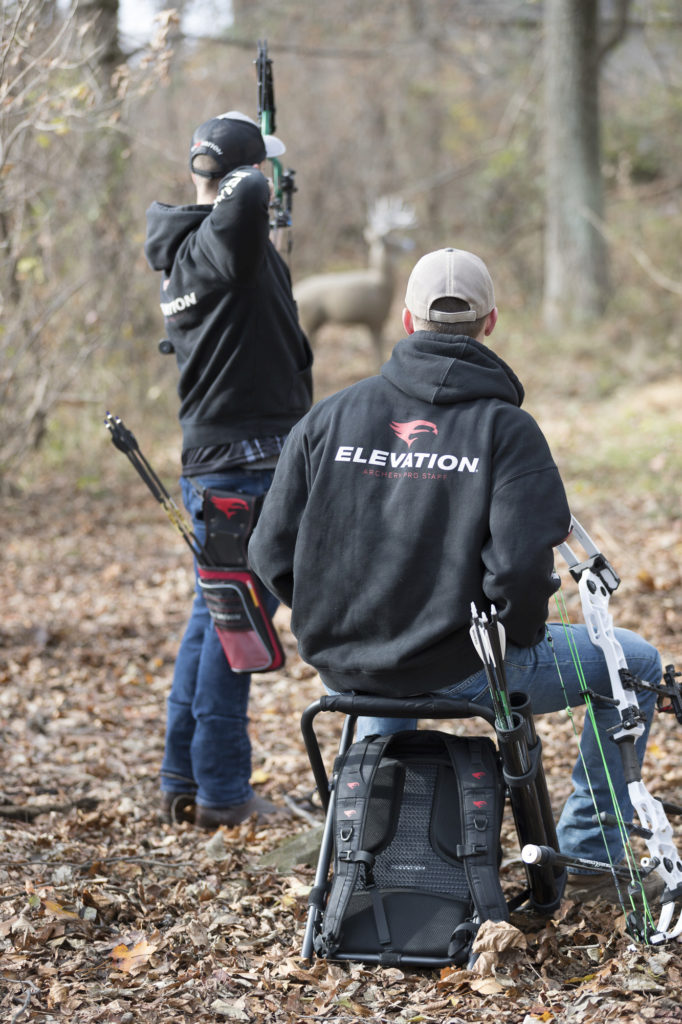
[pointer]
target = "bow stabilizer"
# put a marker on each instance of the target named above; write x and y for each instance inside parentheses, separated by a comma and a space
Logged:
(126, 442)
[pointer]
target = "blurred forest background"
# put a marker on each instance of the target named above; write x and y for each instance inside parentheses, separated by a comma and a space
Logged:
(446, 104)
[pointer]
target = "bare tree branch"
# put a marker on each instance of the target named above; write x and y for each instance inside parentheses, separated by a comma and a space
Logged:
(639, 255)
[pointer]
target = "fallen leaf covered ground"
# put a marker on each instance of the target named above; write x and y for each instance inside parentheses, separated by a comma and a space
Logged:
(108, 914)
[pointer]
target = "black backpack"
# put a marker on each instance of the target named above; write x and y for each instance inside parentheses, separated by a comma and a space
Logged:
(417, 819)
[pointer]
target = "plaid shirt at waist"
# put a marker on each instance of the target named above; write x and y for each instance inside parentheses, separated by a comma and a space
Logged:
(218, 457)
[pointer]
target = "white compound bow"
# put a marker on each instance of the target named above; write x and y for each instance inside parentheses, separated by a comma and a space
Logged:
(597, 580)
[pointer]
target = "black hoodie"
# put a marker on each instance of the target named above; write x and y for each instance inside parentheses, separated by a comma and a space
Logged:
(399, 501)
(245, 363)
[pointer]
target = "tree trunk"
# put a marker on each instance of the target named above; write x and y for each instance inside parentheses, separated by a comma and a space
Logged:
(576, 259)
(104, 17)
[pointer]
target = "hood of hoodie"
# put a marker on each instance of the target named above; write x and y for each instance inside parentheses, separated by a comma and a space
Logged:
(443, 369)
(167, 228)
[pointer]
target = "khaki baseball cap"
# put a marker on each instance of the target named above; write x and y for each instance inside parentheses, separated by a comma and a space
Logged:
(454, 274)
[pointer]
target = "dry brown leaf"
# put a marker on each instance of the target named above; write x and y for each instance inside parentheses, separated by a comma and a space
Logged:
(216, 848)
(646, 580)
(59, 911)
(132, 960)
(58, 994)
(498, 936)
(453, 978)
(230, 1009)
(486, 986)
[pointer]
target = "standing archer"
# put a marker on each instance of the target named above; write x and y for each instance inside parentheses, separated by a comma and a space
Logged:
(244, 380)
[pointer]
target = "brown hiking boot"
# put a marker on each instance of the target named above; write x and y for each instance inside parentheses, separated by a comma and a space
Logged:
(214, 817)
(177, 807)
(586, 888)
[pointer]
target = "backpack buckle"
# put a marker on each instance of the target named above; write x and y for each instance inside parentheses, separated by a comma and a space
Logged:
(470, 850)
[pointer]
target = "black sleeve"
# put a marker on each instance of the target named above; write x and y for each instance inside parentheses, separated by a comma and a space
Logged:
(234, 237)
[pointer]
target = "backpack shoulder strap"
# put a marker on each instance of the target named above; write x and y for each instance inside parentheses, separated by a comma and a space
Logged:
(352, 788)
(474, 760)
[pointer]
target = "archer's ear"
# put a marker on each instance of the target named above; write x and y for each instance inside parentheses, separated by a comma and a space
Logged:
(408, 322)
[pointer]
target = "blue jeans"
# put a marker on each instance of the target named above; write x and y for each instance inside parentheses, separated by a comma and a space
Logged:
(207, 742)
(533, 671)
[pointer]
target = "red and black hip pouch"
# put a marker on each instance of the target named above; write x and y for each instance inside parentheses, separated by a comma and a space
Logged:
(233, 594)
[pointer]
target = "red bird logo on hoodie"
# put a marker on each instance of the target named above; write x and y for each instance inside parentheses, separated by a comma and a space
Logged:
(409, 432)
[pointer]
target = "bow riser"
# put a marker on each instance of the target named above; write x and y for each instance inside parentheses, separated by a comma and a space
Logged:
(594, 598)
